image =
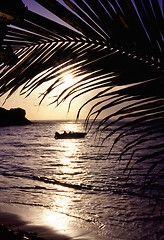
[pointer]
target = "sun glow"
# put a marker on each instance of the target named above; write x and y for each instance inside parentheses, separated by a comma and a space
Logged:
(63, 212)
(50, 108)
(68, 77)
(68, 80)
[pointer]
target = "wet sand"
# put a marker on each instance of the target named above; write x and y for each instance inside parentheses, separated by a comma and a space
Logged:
(12, 226)
(13, 223)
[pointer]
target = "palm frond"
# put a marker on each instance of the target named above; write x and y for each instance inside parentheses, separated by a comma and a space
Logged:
(114, 47)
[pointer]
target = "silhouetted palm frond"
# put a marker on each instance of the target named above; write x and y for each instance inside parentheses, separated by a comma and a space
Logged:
(114, 47)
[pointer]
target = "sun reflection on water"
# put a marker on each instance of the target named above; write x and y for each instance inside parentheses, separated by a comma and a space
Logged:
(63, 211)
(59, 216)
(69, 160)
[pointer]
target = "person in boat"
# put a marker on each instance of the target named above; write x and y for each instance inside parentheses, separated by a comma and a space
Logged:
(56, 134)
(69, 135)
(64, 133)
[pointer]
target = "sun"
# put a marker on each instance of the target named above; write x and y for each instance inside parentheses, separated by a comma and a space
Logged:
(68, 77)
(68, 80)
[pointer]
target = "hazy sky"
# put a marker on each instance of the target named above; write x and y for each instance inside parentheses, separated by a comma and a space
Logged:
(42, 112)
(30, 104)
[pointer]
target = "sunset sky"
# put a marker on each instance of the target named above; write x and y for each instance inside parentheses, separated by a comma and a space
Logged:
(31, 103)
(45, 111)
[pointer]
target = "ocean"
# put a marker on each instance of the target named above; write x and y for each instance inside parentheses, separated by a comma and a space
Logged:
(76, 186)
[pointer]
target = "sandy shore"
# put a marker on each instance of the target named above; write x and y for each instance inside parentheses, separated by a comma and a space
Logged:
(17, 220)
(13, 227)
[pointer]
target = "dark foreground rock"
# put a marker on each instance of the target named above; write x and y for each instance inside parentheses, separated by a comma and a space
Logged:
(13, 117)
(7, 234)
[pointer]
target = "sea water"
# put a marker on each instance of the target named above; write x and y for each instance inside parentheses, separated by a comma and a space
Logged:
(82, 187)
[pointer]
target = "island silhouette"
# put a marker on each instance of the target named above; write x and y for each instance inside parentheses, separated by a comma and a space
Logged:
(13, 117)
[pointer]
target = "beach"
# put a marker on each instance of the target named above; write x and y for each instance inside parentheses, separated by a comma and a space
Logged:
(72, 189)
(15, 225)
(25, 222)
(89, 162)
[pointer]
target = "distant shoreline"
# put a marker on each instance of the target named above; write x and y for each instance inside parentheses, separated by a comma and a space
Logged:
(13, 117)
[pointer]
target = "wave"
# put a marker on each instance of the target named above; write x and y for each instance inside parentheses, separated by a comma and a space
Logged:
(112, 189)
(89, 219)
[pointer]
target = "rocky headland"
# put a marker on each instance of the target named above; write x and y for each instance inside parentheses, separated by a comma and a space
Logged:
(13, 117)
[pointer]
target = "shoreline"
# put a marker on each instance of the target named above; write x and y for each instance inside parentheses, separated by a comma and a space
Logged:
(16, 220)
(13, 227)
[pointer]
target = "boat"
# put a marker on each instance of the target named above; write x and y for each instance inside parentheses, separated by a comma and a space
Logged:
(69, 135)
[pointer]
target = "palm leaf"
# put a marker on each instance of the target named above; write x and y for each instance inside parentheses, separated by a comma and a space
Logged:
(113, 47)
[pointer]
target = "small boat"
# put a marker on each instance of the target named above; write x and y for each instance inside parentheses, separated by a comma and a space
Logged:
(69, 135)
